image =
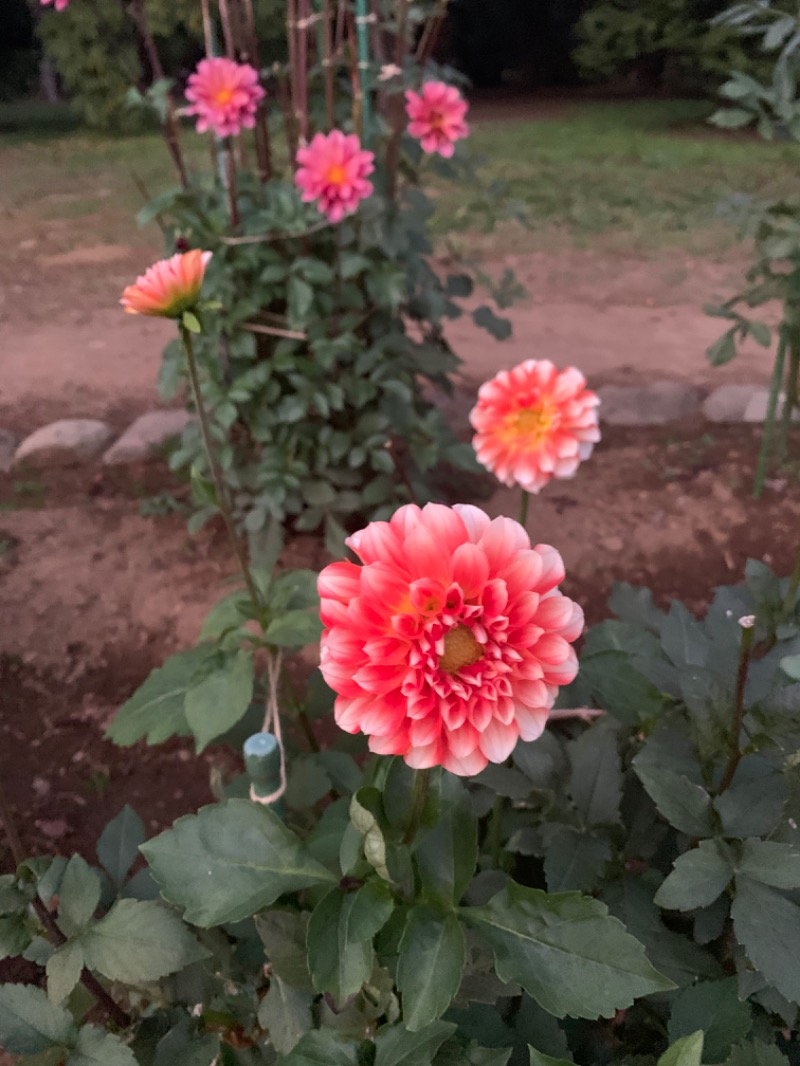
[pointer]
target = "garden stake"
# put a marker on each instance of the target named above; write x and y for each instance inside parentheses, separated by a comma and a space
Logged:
(790, 396)
(769, 421)
(363, 20)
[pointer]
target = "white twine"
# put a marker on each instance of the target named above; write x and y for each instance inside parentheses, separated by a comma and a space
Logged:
(365, 20)
(272, 724)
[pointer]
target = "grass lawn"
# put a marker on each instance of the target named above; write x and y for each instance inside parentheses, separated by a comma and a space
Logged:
(635, 176)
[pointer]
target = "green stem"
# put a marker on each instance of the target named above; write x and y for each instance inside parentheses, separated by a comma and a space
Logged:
(525, 500)
(735, 752)
(216, 474)
(769, 421)
(790, 402)
(422, 781)
(495, 830)
(792, 590)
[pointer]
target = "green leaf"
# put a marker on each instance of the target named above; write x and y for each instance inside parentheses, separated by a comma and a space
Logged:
(283, 934)
(756, 1053)
(698, 877)
(770, 863)
(688, 1051)
(118, 846)
(30, 1023)
(573, 860)
(301, 300)
(286, 1013)
(229, 861)
(596, 779)
(155, 711)
(229, 613)
(538, 1058)
(396, 1046)
(15, 936)
(64, 970)
(669, 771)
(78, 895)
(372, 909)
(191, 322)
(499, 328)
(566, 951)
(767, 925)
(446, 854)
(339, 963)
(715, 1008)
(790, 665)
(431, 964)
(140, 941)
(322, 1047)
(220, 699)
(753, 805)
(294, 629)
(184, 1046)
(98, 1047)
(620, 688)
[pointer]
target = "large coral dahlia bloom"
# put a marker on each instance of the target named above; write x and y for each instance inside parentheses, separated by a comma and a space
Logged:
(169, 287)
(333, 171)
(449, 643)
(535, 423)
(436, 115)
(224, 96)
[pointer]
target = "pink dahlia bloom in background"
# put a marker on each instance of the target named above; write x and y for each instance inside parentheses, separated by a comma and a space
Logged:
(436, 116)
(169, 287)
(224, 96)
(333, 170)
(534, 423)
(449, 643)
(59, 4)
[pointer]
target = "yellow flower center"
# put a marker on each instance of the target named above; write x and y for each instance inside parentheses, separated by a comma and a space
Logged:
(460, 649)
(337, 174)
(223, 96)
(534, 423)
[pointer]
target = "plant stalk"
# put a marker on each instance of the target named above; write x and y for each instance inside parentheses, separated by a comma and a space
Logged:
(791, 592)
(790, 402)
(735, 753)
(524, 503)
(216, 474)
(772, 406)
(422, 781)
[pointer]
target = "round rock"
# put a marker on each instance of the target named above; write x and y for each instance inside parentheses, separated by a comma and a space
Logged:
(647, 405)
(68, 442)
(144, 438)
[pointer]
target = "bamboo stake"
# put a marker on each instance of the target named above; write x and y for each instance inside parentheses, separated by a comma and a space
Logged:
(262, 137)
(327, 65)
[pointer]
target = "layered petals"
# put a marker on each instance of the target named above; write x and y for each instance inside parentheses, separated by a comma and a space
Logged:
(224, 96)
(534, 423)
(436, 117)
(450, 641)
(333, 171)
(169, 287)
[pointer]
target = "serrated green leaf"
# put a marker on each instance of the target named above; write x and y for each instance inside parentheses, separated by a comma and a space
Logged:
(64, 970)
(323, 1047)
(753, 804)
(596, 780)
(78, 895)
(294, 629)
(139, 941)
(229, 861)
(670, 773)
(184, 1046)
(30, 1023)
(118, 846)
(396, 1046)
(698, 877)
(339, 963)
(286, 1013)
(155, 711)
(445, 856)
(770, 863)
(566, 951)
(573, 860)
(15, 937)
(688, 1051)
(715, 1008)
(538, 1058)
(431, 964)
(756, 1053)
(98, 1047)
(218, 701)
(229, 613)
(767, 925)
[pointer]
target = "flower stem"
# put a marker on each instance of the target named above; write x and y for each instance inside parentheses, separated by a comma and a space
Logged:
(219, 485)
(495, 830)
(525, 500)
(792, 590)
(422, 780)
(770, 419)
(735, 752)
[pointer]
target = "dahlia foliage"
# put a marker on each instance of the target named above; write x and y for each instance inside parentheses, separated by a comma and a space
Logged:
(224, 96)
(449, 643)
(535, 423)
(333, 171)
(169, 287)
(437, 114)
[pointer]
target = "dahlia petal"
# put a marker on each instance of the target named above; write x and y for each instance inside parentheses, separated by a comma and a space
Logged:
(339, 581)
(497, 741)
(531, 722)
(424, 757)
(553, 571)
(470, 569)
(467, 766)
(475, 520)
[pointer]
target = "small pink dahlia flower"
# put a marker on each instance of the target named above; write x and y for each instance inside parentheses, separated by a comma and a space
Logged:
(224, 96)
(449, 643)
(333, 170)
(437, 117)
(169, 287)
(58, 4)
(534, 423)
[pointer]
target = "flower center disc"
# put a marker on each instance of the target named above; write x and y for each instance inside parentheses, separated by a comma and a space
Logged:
(224, 96)
(337, 174)
(533, 422)
(460, 649)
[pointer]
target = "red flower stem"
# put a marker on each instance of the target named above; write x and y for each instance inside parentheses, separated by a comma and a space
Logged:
(219, 485)
(735, 752)
(230, 183)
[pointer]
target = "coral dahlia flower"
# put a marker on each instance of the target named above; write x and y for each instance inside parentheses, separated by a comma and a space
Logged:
(449, 643)
(534, 423)
(224, 96)
(333, 170)
(436, 116)
(169, 287)
(58, 4)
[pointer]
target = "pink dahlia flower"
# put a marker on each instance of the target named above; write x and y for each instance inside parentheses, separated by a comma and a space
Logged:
(58, 4)
(224, 96)
(534, 423)
(451, 640)
(169, 287)
(437, 115)
(333, 169)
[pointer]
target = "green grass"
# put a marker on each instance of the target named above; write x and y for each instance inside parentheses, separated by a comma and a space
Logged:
(636, 176)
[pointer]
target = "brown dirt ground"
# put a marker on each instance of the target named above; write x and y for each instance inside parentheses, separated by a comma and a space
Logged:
(93, 595)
